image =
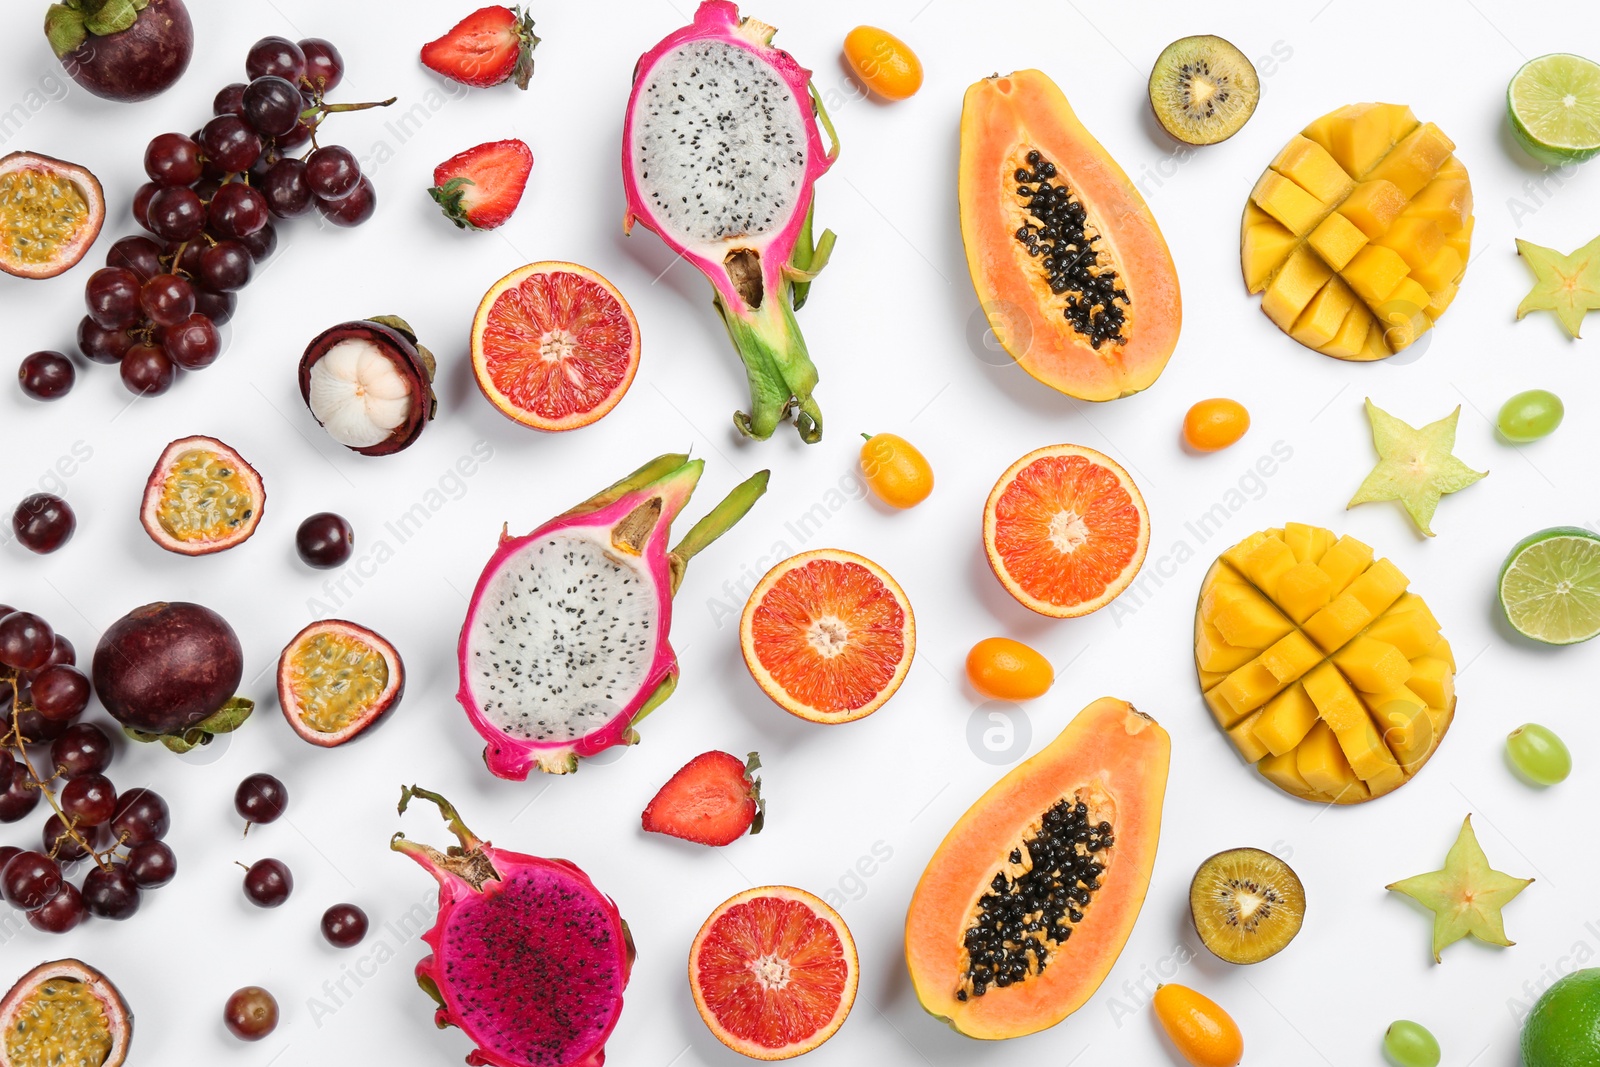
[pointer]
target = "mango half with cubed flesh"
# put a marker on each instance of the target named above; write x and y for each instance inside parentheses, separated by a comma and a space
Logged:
(1359, 232)
(1319, 664)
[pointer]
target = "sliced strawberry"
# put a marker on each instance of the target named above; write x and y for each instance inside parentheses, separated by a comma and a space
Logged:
(481, 187)
(713, 800)
(485, 48)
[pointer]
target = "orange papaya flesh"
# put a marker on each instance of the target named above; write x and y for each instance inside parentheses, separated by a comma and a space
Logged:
(1072, 833)
(1067, 260)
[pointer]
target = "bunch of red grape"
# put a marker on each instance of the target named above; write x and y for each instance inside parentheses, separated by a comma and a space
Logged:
(119, 838)
(209, 204)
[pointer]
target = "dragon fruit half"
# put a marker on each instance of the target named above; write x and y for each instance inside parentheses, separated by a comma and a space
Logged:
(529, 958)
(720, 150)
(565, 646)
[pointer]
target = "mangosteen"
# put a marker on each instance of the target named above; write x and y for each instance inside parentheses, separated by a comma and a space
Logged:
(369, 384)
(122, 49)
(168, 672)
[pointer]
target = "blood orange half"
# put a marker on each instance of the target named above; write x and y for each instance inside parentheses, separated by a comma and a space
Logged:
(554, 346)
(773, 972)
(1065, 530)
(828, 635)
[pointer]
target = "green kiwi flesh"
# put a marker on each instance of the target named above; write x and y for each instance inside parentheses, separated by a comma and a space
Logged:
(1203, 89)
(1246, 904)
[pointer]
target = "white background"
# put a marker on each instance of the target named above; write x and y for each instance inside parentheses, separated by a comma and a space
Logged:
(892, 326)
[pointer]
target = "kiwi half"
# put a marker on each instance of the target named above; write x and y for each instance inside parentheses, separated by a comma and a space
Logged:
(1203, 89)
(1246, 904)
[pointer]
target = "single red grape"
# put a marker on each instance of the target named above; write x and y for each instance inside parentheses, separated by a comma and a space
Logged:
(324, 64)
(354, 209)
(112, 297)
(60, 693)
(167, 299)
(276, 55)
(20, 795)
(141, 203)
(26, 641)
(272, 105)
(324, 540)
(344, 925)
(251, 1013)
(30, 879)
(288, 195)
(229, 100)
(193, 343)
(91, 799)
(46, 375)
(332, 172)
(147, 371)
(225, 266)
(268, 883)
(141, 816)
(83, 750)
(110, 894)
(261, 798)
(152, 864)
(261, 243)
(237, 210)
(230, 143)
(60, 913)
(176, 213)
(172, 159)
(218, 307)
(100, 345)
(138, 254)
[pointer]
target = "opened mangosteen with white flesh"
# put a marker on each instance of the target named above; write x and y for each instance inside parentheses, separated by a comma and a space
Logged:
(369, 384)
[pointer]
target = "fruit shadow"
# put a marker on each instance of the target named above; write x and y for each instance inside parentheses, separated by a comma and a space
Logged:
(1014, 619)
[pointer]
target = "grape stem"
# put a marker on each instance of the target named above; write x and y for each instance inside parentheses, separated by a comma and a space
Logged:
(13, 739)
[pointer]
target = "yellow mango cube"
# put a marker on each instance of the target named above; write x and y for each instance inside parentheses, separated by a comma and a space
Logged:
(1290, 657)
(1337, 240)
(1302, 541)
(1344, 560)
(1352, 335)
(1413, 633)
(1379, 586)
(1263, 248)
(1322, 764)
(1221, 710)
(1309, 166)
(1245, 740)
(1319, 323)
(1347, 717)
(1441, 650)
(1248, 688)
(1265, 564)
(1401, 120)
(1240, 552)
(1374, 273)
(1363, 138)
(1342, 619)
(1440, 272)
(1403, 722)
(1412, 163)
(1212, 653)
(1441, 301)
(1281, 771)
(1373, 666)
(1373, 207)
(1461, 240)
(1303, 590)
(1285, 201)
(1404, 316)
(1286, 720)
(1447, 201)
(1246, 620)
(1293, 287)
(1433, 680)
(1417, 240)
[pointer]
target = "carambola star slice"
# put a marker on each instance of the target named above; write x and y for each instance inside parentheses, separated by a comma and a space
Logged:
(1466, 896)
(1415, 467)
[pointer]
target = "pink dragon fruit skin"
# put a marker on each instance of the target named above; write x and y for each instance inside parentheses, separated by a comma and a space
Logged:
(565, 646)
(757, 250)
(528, 958)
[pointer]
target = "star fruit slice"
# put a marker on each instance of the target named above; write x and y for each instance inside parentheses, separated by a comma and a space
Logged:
(1415, 467)
(1466, 896)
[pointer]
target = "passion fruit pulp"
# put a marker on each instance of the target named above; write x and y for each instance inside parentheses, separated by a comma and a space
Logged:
(337, 680)
(1246, 904)
(201, 497)
(64, 1012)
(50, 213)
(369, 384)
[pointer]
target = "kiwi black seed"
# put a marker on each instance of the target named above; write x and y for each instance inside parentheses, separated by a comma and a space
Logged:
(1203, 89)
(1246, 904)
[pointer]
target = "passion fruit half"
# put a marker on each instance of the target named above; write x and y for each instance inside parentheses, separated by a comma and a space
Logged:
(202, 497)
(50, 213)
(64, 1012)
(168, 672)
(369, 384)
(337, 680)
(1246, 904)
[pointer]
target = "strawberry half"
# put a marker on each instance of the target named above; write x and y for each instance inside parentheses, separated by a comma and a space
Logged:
(481, 187)
(713, 800)
(485, 48)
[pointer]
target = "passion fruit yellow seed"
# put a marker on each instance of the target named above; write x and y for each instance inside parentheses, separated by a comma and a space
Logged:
(205, 498)
(61, 1022)
(41, 213)
(335, 678)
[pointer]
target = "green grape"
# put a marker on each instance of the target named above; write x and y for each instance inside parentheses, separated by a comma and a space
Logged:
(1409, 1044)
(1530, 415)
(1538, 754)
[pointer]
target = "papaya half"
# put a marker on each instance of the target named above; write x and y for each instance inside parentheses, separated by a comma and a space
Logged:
(1029, 900)
(1070, 267)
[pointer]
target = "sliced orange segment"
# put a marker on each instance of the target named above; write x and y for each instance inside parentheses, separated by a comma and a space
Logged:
(554, 346)
(828, 635)
(773, 972)
(1066, 530)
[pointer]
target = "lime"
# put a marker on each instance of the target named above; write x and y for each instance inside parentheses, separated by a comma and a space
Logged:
(1550, 585)
(1554, 103)
(1564, 1026)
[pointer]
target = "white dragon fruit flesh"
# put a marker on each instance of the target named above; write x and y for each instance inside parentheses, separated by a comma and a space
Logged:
(565, 645)
(720, 151)
(528, 958)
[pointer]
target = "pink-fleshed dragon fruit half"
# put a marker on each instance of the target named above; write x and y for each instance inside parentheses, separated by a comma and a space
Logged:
(720, 151)
(529, 958)
(565, 645)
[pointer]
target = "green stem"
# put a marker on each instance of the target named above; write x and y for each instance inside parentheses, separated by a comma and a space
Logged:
(468, 839)
(778, 367)
(718, 521)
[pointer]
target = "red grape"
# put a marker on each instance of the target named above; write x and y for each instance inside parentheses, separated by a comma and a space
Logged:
(332, 172)
(138, 254)
(218, 307)
(152, 864)
(84, 749)
(101, 345)
(60, 913)
(20, 795)
(251, 1013)
(111, 894)
(230, 143)
(176, 213)
(344, 925)
(112, 297)
(172, 159)
(354, 209)
(90, 799)
(46, 375)
(276, 56)
(167, 299)
(268, 883)
(147, 371)
(61, 693)
(30, 879)
(324, 64)
(238, 210)
(141, 816)
(229, 100)
(272, 105)
(288, 195)
(193, 343)
(26, 641)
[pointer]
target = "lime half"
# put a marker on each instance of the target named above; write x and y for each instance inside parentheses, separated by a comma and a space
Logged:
(1550, 586)
(1554, 102)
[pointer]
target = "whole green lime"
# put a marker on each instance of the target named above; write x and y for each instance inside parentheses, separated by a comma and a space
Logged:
(1563, 1030)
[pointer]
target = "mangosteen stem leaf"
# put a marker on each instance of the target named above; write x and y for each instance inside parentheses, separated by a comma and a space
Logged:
(64, 27)
(113, 16)
(718, 521)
